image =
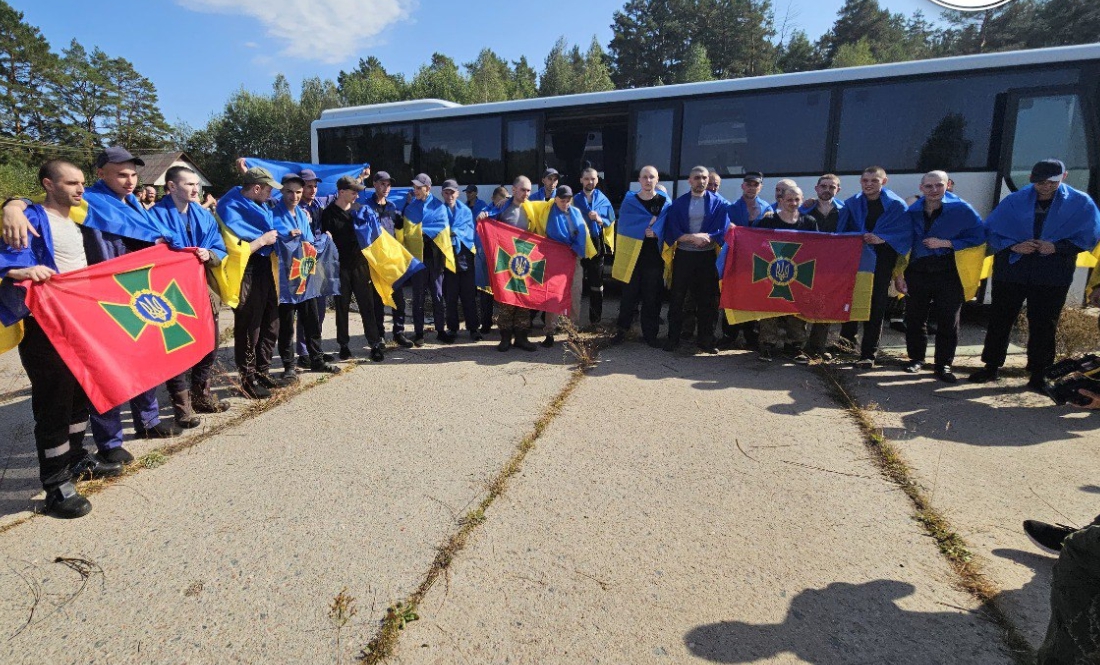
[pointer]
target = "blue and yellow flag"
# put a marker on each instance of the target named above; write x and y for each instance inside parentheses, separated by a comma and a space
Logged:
(328, 173)
(391, 265)
(428, 219)
(605, 228)
(241, 221)
(634, 220)
(307, 269)
(963, 226)
(124, 217)
(569, 227)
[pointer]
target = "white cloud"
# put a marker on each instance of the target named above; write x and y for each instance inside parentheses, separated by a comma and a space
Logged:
(251, 45)
(331, 31)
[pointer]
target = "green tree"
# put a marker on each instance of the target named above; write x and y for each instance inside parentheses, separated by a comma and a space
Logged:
(524, 80)
(439, 80)
(370, 83)
(1066, 22)
(854, 55)
(737, 35)
(27, 70)
(798, 54)
(595, 73)
(132, 119)
(649, 41)
(488, 78)
(883, 32)
(84, 94)
(558, 74)
(697, 66)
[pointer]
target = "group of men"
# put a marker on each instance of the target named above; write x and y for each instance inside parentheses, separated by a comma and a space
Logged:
(1034, 234)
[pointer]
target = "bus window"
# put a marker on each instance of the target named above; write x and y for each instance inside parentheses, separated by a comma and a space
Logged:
(918, 126)
(521, 155)
(386, 147)
(771, 132)
(1050, 126)
(466, 150)
(653, 134)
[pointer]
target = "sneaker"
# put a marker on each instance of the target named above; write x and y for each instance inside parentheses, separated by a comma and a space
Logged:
(161, 430)
(264, 379)
(66, 503)
(402, 341)
(865, 363)
(117, 454)
(1047, 536)
(984, 375)
(94, 466)
(913, 366)
(303, 362)
(254, 390)
(289, 376)
(764, 354)
(548, 342)
(802, 358)
(345, 353)
(476, 336)
(619, 337)
(944, 373)
(418, 341)
(378, 353)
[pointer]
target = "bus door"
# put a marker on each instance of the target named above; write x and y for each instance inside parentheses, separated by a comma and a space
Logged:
(597, 140)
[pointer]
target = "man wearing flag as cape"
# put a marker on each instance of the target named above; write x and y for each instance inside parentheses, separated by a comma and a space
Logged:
(427, 236)
(599, 215)
(638, 261)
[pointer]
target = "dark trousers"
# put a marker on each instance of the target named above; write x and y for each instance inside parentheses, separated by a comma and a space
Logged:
(939, 295)
(256, 319)
(1044, 306)
(307, 316)
(300, 346)
(461, 285)
(355, 279)
(593, 277)
(431, 278)
(485, 306)
(886, 260)
(644, 287)
(697, 274)
(200, 373)
(59, 405)
(398, 312)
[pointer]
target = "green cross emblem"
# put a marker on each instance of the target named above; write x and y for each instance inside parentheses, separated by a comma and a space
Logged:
(148, 307)
(520, 267)
(782, 270)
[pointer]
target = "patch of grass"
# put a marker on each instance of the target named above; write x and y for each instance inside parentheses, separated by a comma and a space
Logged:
(971, 577)
(399, 614)
(152, 459)
(341, 611)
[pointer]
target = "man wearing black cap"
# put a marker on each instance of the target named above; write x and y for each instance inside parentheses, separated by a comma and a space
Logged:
(460, 285)
(422, 245)
(475, 204)
(338, 221)
(1036, 235)
(549, 186)
(391, 221)
(244, 211)
(748, 210)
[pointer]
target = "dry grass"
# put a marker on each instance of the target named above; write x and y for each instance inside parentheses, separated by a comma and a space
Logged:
(971, 577)
(399, 614)
(1077, 332)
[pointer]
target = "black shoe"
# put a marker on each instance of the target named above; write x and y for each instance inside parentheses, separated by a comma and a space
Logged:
(402, 341)
(505, 341)
(476, 336)
(899, 326)
(1035, 384)
(65, 502)
(619, 337)
(303, 362)
(548, 342)
(345, 353)
(984, 375)
(1047, 536)
(328, 357)
(265, 380)
(764, 354)
(207, 403)
(486, 328)
(802, 358)
(161, 430)
(254, 390)
(418, 341)
(521, 342)
(324, 367)
(653, 342)
(117, 454)
(378, 353)
(708, 347)
(671, 346)
(865, 363)
(289, 376)
(944, 373)
(446, 337)
(94, 466)
(913, 366)
(687, 335)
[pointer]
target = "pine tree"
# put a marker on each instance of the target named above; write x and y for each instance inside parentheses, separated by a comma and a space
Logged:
(27, 68)
(370, 83)
(488, 78)
(854, 55)
(439, 80)
(595, 75)
(558, 74)
(799, 54)
(697, 66)
(524, 80)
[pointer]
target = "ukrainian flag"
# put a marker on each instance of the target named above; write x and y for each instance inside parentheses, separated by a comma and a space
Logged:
(428, 218)
(230, 273)
(391, 265)
(631, 226)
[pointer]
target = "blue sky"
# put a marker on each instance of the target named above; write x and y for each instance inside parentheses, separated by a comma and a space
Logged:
(198, 52)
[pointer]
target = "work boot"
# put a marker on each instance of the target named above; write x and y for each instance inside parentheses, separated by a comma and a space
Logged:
(65, 502)
(505, 341)
(378, 352)
(523, 343)
(161, 430)
(548, 342)
(402, 341)
(254, 390)
(181, 408)
(92, 465)
(203, 401)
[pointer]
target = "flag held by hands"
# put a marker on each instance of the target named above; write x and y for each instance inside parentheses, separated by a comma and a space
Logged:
(527, 270)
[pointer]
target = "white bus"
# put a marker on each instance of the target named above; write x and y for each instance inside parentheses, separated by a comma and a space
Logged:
(983, 118)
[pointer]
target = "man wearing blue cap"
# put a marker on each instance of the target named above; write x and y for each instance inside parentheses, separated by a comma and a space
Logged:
(549, 186)
(391, 221)
(1036, 235)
